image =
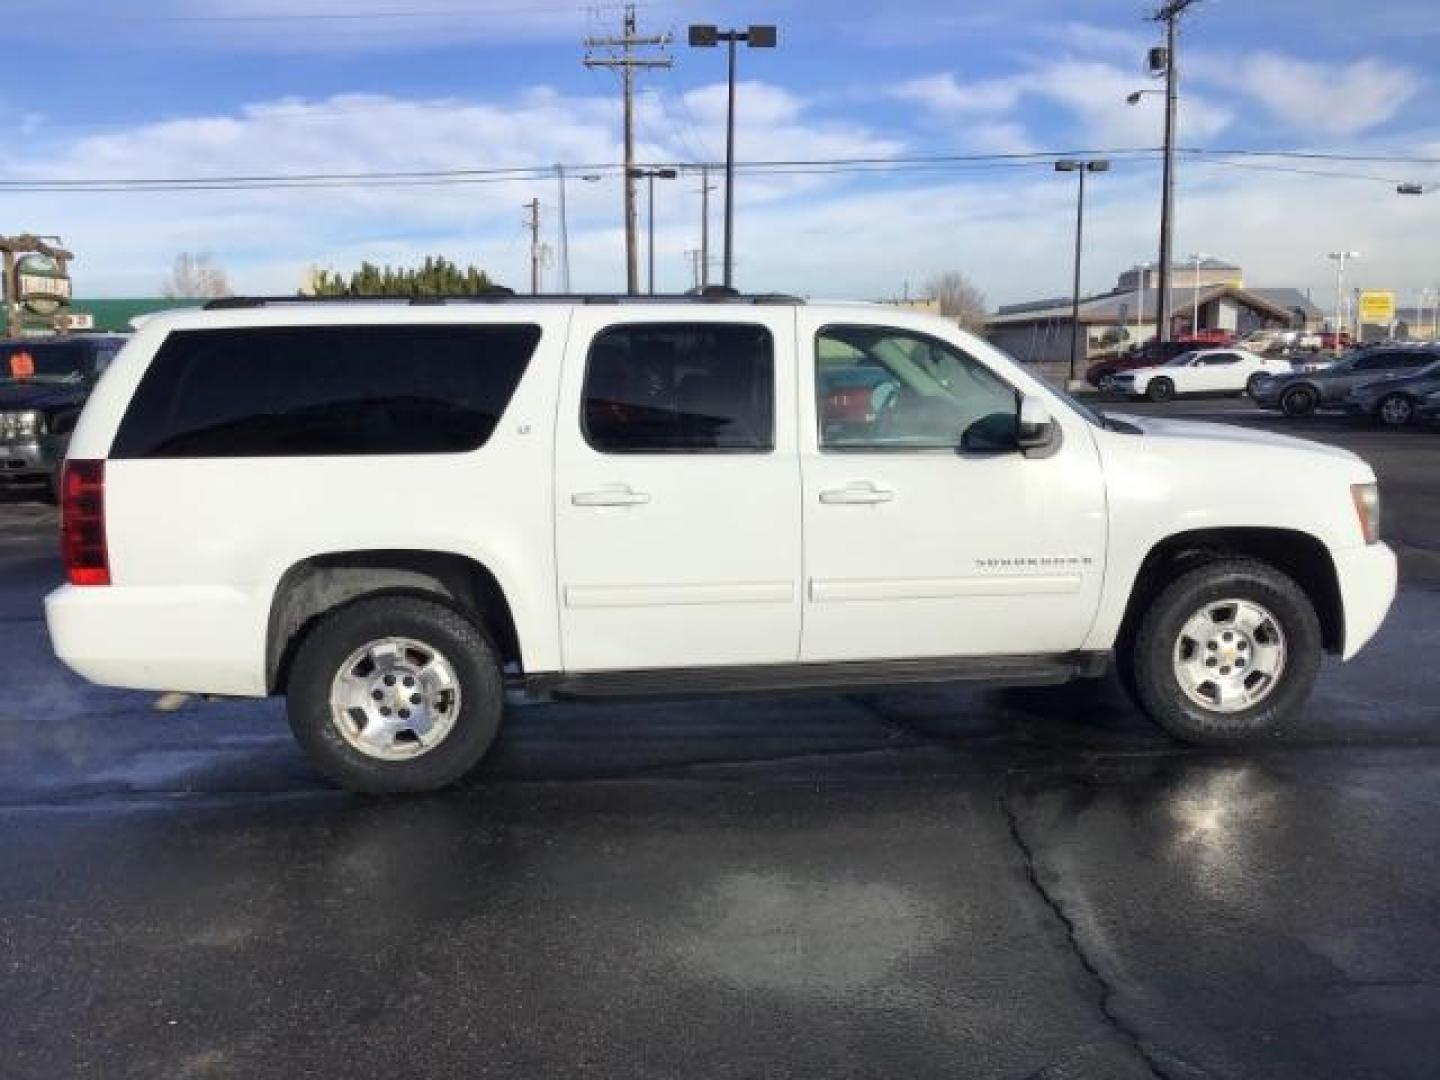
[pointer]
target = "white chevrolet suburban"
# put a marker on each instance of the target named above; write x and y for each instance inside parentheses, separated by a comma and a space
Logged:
(395, 513)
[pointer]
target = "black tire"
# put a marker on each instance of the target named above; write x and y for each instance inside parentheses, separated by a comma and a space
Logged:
(1161, 389)
(1252, 386)
(326, 648)
(1157, 689)
(1395, 411)
(1299, 401)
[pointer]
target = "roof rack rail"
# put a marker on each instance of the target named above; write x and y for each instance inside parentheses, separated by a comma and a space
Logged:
(713, 294)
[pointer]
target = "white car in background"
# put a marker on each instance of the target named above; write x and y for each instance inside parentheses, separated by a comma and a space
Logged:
(1204, 371)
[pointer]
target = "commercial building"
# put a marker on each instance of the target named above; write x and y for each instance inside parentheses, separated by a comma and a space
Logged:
(1210, 297)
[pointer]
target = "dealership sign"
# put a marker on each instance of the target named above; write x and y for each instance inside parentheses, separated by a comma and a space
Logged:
(1377, 308)
(41, 285)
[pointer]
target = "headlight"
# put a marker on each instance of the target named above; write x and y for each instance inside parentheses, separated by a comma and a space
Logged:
(1367, 509)
(19, 425)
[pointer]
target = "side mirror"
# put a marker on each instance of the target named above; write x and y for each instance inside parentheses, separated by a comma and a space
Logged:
(1038, 435)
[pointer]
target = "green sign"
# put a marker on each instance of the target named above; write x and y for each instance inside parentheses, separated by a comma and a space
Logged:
(41, 286)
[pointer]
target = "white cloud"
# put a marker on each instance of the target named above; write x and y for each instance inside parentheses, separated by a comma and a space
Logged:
(1325, 98)
(267, 237)
(1092, 92)
(945, 93)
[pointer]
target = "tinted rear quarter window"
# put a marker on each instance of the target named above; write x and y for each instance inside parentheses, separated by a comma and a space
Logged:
(325, 390)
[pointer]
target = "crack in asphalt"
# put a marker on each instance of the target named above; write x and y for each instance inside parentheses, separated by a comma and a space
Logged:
(1105, 1000)
(1106, 997)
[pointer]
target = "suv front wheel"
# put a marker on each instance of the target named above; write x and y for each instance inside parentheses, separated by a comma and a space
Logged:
(395, 694)
(1226, 653)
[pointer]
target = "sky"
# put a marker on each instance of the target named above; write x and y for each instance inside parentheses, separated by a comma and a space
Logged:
(120, 90)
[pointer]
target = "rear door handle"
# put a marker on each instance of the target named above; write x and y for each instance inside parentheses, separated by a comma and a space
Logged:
(857, 493)
(619, 495)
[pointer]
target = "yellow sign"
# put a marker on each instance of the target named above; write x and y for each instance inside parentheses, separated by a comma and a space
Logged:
(1377, 308)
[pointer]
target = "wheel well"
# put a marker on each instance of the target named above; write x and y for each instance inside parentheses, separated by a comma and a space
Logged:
(318, 585)
(1298, 554)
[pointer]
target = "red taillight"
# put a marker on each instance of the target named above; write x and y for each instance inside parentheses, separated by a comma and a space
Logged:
(82, 523)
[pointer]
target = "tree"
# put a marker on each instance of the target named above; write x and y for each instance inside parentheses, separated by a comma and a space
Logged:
(959, 299)
(196, 276)
(436, 276)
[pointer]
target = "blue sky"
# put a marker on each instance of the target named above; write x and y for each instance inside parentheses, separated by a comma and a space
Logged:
(186, 88)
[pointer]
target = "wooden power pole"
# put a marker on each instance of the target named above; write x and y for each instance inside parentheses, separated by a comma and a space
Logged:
(624, 57)
(1169, 14)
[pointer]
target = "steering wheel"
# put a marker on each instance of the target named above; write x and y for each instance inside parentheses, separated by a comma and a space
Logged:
(884, 401)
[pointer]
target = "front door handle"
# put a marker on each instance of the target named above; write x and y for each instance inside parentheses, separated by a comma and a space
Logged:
(857, 493)
(619, 495)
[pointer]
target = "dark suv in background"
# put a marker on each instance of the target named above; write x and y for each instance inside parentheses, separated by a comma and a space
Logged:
(1329, 387)
(1396, 402)
(43, 385)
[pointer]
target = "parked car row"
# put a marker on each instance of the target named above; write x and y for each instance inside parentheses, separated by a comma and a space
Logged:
(1395, 385)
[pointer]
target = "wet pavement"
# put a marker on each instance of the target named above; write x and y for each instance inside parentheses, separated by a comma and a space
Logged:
(954, 882)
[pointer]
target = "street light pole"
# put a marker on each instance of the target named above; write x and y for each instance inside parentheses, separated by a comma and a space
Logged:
(1339, 258)
(1140, 301)
(1197, 259)
(650, 175)
(1081, 167)
(707, 37)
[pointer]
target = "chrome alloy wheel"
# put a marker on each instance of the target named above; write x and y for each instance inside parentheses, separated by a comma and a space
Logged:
(1229, 655)
(395, 698)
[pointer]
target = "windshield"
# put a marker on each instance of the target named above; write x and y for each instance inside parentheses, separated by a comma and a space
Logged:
(1087, 412)
(42, 362)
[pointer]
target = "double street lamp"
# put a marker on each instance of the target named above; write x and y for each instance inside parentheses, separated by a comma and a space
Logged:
(650, 175)
(707, 37)
(1340, 258)
(1080, 167)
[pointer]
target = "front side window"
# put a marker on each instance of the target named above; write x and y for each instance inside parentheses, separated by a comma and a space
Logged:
(666, 388)
(1218, 359)
(884, 389)
(325, 390)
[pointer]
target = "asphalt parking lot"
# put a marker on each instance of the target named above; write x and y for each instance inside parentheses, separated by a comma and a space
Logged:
(958, 882)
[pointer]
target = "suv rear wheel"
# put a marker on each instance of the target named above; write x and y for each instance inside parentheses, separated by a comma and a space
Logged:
(395, 694)
(1227, 653)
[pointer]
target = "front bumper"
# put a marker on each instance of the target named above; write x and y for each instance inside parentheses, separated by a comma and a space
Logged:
(29, 462)
(1368, 577)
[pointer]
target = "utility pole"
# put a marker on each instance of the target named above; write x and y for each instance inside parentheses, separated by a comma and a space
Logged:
(624, 58)
(533, 224)
(1169, 14)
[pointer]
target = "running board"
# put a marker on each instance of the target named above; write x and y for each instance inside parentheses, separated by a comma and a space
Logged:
(1050, 670)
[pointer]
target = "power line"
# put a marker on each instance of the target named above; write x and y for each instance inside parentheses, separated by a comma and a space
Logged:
(772, 167)
(90, 18)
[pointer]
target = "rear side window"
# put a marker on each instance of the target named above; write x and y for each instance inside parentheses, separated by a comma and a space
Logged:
(325, 390)
(656, 388)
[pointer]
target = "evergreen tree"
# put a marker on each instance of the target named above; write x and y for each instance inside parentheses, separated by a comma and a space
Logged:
(436, 276)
